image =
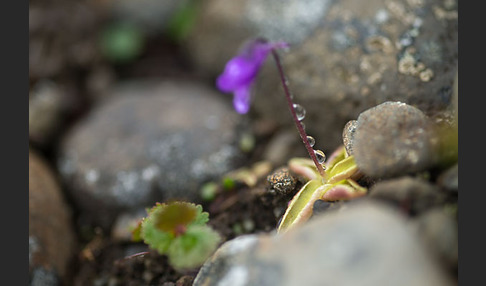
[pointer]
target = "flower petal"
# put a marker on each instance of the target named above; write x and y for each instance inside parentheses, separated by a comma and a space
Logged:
(259, 49)
(238, 72)
(243, 69)
(241, 99)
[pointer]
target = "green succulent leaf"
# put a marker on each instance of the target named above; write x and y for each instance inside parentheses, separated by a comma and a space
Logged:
(338, 184)
(246, 175)
(193, 248)
(343, 190)
(304, 167)
(300, 207)
(341, 170)
(337, 156)
(357, 187)
(243, 175)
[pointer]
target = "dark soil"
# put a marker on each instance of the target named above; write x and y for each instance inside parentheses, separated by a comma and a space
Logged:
(233, 212)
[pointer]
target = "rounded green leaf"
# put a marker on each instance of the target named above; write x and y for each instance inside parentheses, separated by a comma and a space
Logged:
(122, 42)
(154, 237)
(193, 248)
(300, 207)
(170, 217)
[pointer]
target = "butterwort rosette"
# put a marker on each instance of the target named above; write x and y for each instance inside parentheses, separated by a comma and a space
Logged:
(241, 71)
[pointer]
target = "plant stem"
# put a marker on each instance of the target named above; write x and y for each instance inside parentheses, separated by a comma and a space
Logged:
(300, 128)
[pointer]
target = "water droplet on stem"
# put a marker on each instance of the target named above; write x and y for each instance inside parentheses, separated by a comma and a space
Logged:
(321, 157)
(311, 140)
(299, 111)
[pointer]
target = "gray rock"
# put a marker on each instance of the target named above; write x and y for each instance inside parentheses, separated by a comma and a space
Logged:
(52, 240)
(226, 266)
(281, 146)
(367, 244)
(149, 142)
(439, 232)
(125, 223)
(346, 56)
(151, 16)
(291, 20)
(218, 32)
(321, 207)
(43, 277)
(393, 139)
(449, 179)
(411, 195)
(355, 60)
(223, 26)
(282, 181)
(348, 136)
(99, 81)
(45, 112)
(62, 36)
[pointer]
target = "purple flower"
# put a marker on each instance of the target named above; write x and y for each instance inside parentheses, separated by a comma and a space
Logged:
(241, 71)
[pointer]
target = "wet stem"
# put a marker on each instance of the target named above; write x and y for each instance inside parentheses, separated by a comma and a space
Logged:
(300, 128)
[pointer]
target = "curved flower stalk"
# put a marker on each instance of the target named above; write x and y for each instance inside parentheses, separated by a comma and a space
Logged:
(238, 77)
(334, 180)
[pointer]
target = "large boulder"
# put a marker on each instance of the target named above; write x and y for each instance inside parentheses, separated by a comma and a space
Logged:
(149, 142)
(366, 243)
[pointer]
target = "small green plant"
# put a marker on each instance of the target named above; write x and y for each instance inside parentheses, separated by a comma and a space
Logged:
(122, 42)
(182, 21)
(338, 183)
(332, 180)
(178, 230)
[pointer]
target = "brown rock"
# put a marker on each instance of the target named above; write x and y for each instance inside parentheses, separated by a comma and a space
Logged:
(51, 237)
